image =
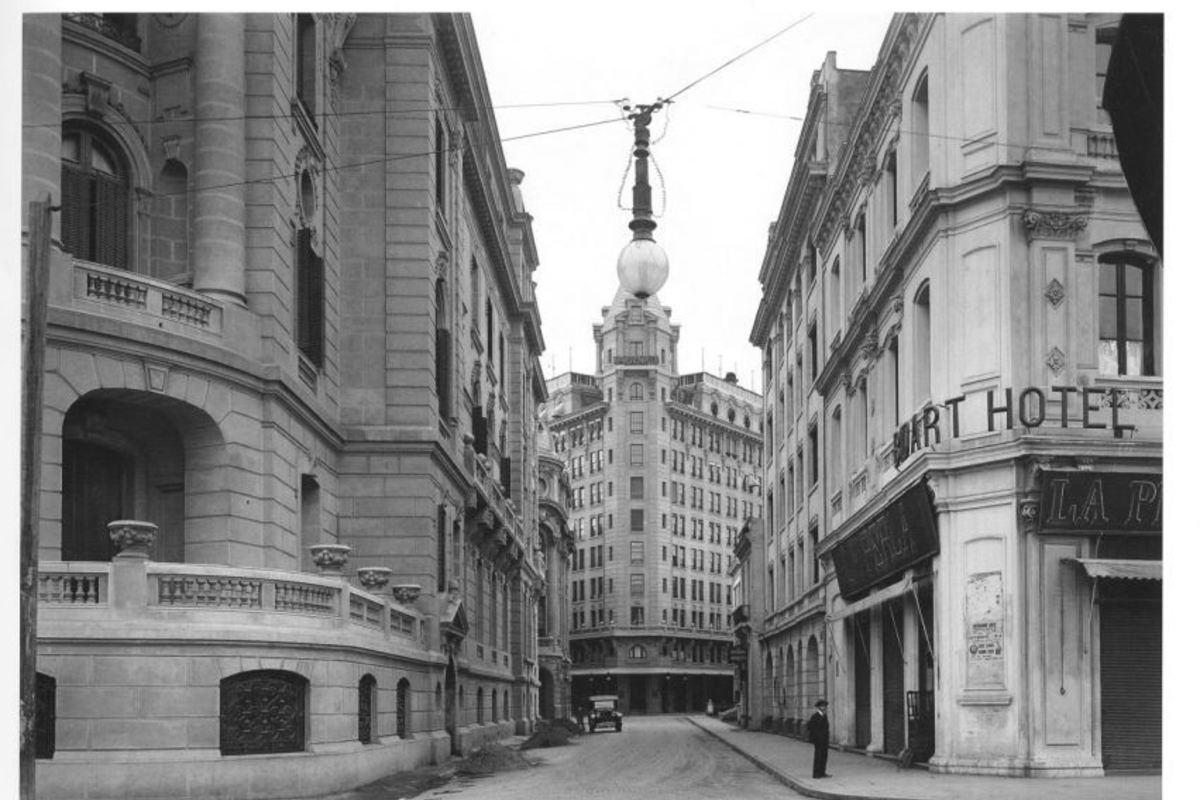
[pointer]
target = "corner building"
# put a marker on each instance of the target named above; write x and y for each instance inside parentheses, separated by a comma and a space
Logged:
(961, 338)
(663, 469)
(292, 324)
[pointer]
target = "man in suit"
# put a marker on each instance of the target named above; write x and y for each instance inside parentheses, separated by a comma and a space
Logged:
(818, 732)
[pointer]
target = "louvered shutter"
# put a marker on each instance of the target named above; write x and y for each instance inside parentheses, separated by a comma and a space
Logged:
(76, 216)
(310, 299)
(1131, 686)
(442, 366)
(111, 215)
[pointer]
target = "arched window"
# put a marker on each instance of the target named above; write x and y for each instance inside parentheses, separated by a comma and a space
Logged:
(920, 345)
(714, 409)
(479, 705)
(402, 689)
(1127, 315)
(920, 131)
(263, 711)
(366, 709)
(95, 198)
(635, 391)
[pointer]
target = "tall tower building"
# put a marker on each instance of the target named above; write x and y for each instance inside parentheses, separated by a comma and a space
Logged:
(664, 471)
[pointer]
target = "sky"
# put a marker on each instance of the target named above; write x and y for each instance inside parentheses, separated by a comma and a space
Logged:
(721, 173)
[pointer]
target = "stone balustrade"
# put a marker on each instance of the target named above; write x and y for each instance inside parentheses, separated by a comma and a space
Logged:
(133, 584)
(153, 300)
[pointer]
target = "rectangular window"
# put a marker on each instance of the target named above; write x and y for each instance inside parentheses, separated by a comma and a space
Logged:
(636, 455)
(637, 487)
(637, 553)
(306, 64)
(636, 519)
(813, 472)
(812, 352)
(310, 299)
(637, 585)
(637, 615)
(637, 422)
(1127, 317)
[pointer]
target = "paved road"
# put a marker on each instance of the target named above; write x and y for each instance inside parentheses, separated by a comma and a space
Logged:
(666, 758)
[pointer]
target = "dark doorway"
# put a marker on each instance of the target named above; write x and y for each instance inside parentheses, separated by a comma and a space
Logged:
(97, 483)
(451, 709)
(862, 679)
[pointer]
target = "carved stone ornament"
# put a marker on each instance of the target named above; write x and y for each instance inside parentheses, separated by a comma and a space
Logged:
(1053, 224)
(441, 262)
(1029, 513)
(406, 593)
(1055, 293)
(898, 306)
(374, 579)
(132, 538)
(1056, 360)
(330, 558)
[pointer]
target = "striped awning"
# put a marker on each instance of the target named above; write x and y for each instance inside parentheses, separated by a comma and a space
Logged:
(1122, 568)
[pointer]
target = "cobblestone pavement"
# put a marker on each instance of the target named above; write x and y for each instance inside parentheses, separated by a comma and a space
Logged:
(660, 757)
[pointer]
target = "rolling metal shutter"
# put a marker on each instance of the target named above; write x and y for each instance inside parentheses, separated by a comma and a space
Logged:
(862, 679)
(1131, 685)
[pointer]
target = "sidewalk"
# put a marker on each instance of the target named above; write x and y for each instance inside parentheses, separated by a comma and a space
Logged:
(858, 777)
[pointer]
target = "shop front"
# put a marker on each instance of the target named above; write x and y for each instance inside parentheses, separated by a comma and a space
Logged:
(1106, 529)
(883, 680)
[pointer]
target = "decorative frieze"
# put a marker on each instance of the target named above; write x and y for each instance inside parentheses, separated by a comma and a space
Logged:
(1053, 224)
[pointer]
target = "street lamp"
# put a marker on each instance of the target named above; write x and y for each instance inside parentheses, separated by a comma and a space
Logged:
(642, 265)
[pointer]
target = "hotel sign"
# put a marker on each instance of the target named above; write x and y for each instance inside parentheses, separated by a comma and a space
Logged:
(893, 540)
(1101, 501)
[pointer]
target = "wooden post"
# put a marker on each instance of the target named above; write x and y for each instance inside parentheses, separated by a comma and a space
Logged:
(34, 352)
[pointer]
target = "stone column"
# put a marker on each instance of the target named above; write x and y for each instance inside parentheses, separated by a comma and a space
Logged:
(876, 642)
(219, 221)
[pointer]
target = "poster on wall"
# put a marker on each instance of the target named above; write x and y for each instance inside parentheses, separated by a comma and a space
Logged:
(985, 630)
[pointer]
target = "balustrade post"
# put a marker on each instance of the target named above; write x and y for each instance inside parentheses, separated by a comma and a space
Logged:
(133, 538)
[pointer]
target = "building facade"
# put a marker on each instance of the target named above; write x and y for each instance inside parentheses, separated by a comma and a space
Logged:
(961, 337)
(663, 472)
(557, 551)
(292, 324)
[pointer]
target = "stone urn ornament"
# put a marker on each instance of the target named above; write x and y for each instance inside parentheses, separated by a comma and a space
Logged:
(406, 593)
(374, 579)
(132, 538)
(330, 558)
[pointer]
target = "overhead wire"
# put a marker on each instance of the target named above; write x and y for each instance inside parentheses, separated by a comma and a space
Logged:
(285, 115)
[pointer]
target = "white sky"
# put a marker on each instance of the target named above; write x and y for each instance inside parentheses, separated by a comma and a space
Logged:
(724, 172)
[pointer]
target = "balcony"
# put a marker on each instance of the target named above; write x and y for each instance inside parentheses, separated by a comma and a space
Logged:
(140, 299)
(156, 600)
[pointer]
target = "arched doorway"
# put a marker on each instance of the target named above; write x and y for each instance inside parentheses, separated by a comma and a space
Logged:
(135, 455)
(546, 694)
(451, 709)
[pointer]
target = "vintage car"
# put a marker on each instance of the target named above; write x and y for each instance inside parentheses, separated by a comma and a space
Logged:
(604, 713)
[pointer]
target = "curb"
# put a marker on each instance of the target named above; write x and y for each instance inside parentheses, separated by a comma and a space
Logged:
(787, 780)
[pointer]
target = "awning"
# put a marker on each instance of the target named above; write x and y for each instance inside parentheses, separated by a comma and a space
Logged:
(883, 595)
(1126, 568)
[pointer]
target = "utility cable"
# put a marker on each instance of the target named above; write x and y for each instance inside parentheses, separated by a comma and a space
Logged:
(340, 114)
(740, 55)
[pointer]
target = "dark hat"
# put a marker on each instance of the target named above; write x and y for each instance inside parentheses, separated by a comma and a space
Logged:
(821, 703)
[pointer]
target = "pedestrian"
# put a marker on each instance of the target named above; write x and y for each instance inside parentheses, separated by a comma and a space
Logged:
(818, 732)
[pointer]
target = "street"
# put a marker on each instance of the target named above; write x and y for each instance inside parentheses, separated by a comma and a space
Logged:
(668, 756)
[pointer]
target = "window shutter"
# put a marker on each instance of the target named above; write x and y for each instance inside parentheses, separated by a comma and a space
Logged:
(310, 299)
(479, 429)
(442, 365)
(112, 222)
(76, 207)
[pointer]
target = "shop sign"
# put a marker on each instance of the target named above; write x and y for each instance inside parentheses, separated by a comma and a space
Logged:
(1029, 407)
(1101, 501)
(892, 540)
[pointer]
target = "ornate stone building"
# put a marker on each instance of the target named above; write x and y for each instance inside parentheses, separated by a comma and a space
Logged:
(557, 549)
(961, 337)
(663, 471)
(292, 324)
